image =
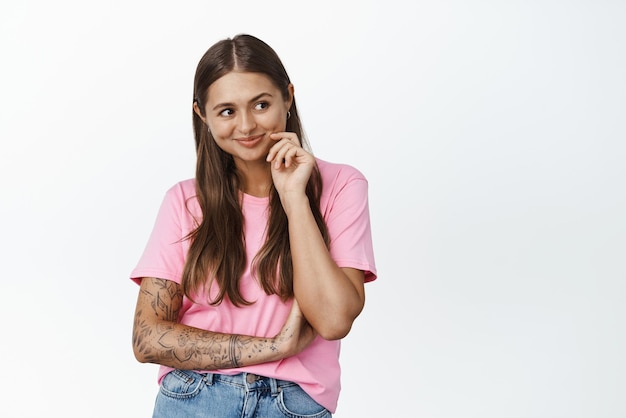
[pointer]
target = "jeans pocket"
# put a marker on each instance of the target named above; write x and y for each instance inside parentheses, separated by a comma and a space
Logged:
(182, 384)
(293, 402)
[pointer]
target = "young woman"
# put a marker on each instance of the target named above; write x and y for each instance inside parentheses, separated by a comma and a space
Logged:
(255, 268)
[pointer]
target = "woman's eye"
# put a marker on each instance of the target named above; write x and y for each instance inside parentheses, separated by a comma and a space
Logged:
(226, 112)
(261, 106)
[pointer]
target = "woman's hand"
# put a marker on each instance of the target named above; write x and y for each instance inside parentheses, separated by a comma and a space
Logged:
(291, 165)
(296, 333)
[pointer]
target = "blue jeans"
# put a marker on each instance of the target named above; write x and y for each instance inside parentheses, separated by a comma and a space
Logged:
(185, 393)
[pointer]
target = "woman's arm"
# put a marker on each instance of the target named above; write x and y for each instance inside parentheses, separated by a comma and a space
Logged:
(330, 297)
(158, 337)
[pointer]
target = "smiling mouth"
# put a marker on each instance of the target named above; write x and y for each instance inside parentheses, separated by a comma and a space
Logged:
(250, 141)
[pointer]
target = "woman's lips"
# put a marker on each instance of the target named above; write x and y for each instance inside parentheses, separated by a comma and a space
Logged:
(250, 141)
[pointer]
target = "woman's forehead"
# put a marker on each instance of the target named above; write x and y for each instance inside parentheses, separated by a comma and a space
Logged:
(237, 85)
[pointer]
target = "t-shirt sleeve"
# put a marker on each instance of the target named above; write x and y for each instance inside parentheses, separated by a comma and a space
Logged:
(349, 227)
(163, 255)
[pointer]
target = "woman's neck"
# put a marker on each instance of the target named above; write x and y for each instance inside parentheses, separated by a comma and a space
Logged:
(255, 179)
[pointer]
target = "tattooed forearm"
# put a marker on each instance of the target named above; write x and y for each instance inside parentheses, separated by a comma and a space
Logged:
(191, 348)
(232, 346)
(159, 338)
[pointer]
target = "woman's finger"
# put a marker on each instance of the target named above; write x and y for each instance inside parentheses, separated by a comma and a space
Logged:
(283, 152)
(290, 136)
(291, 155)
(280, 149)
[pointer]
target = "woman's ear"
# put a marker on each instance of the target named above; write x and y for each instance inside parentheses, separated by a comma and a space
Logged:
(291, 92)
(196, 109)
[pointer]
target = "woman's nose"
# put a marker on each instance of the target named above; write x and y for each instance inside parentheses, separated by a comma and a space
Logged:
(246, 123)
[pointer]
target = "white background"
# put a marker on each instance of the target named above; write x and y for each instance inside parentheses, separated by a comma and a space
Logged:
(492, 134)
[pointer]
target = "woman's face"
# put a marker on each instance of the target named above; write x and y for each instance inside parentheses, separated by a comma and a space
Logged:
(242, 110)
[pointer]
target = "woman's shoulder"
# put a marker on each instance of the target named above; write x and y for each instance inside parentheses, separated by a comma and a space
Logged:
(333, 172)
(183, 189)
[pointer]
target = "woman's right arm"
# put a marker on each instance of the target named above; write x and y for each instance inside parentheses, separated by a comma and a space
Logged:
(159, 338)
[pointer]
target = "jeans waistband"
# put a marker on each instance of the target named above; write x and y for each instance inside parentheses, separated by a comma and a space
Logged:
(250, 381)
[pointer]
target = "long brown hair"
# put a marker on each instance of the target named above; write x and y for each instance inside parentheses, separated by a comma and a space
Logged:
(217, 250)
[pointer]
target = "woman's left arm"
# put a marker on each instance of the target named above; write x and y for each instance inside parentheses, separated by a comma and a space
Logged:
(330, 297)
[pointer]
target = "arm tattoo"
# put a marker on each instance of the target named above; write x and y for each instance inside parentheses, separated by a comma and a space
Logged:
(168, 300)
(165, 302)
(233, 350)
(168, 343)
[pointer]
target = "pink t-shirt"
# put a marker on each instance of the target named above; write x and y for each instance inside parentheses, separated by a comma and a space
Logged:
(344, 205)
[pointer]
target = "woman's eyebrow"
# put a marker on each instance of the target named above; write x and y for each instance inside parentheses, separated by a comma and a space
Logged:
(254, 99)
